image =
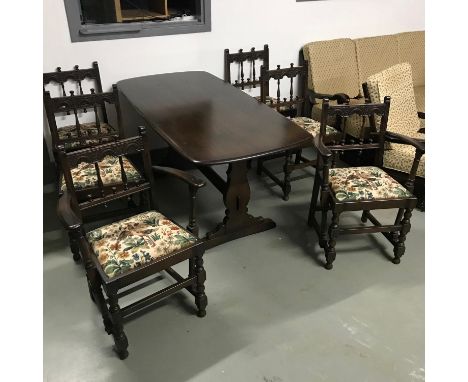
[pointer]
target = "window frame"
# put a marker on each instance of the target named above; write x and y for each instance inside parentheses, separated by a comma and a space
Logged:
(114, 31)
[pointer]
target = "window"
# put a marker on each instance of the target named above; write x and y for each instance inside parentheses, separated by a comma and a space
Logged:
(91, 20)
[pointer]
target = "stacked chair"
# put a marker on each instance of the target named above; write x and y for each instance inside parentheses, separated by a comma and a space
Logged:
(98, 169)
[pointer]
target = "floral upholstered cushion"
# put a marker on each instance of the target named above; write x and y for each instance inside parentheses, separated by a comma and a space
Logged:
(84, 175)
(140, 239)
(312, 126)
(365, 183)
(86, 129)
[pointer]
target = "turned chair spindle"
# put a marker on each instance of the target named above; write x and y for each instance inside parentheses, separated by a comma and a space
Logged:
(240, 58)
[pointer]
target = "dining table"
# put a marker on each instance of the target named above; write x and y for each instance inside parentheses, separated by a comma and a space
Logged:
(209, 122)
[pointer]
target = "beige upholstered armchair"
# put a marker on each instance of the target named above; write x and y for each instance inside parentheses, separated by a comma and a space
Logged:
(403, 121)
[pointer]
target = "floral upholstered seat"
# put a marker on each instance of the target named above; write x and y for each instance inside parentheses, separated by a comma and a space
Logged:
(365, 183)
(87, 129)
(135, 241)
(312, 126)
(84, 176)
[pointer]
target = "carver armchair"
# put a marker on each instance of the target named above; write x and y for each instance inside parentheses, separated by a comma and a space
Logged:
(340, 189)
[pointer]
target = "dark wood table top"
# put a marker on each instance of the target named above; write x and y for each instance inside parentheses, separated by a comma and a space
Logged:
(209, 121)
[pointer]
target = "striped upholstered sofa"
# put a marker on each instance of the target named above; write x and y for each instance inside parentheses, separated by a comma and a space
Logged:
(338, 68)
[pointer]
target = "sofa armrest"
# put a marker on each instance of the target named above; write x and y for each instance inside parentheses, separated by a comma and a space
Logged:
(419, 144)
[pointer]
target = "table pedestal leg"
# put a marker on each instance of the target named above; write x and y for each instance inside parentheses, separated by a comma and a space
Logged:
(237, 222)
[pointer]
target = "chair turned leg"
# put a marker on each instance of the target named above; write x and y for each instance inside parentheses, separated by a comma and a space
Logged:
(364, 216)
(313, 202)
(330, 252)
(323, 230)
(259, 166)
(399, 247)
(298, 157)
(97, 296)
(287, 177)
(200, 297)
(421, 203)
(74, 245)
(192, 272)
(120, 339)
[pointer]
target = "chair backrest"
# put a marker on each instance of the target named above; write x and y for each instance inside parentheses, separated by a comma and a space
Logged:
(411, 48)
(93, 158)
(76, 104)
(246, 61)
(368, 140)
(76, 76)
(375, 54)
(397, 83)
(294, 103)
(333, 67)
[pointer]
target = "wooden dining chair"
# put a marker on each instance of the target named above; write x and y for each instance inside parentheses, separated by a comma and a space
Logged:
(248, 67)
(294, 106)
(342, 189)
(121, 254)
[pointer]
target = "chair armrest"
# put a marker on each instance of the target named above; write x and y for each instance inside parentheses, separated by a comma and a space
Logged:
(419, 144)
(321, 148)
(182, 175)
(194, 185)
(339, 97)
(66, 215)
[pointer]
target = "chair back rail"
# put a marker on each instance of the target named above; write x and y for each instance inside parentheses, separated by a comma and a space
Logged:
(296, 100)
(241, 58)
(75, 103)
(368, 140)
(76, 76)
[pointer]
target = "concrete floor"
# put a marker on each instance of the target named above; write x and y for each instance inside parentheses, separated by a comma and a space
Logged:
(274, 313)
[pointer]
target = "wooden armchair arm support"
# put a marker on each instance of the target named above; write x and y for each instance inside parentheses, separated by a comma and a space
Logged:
(419, 144)
(182, 175)
(65, 213)
(341, 98)
(194, 185)
(322, 150)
